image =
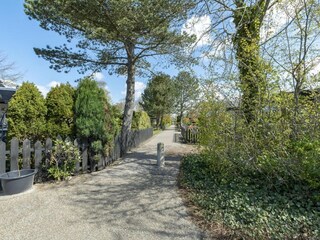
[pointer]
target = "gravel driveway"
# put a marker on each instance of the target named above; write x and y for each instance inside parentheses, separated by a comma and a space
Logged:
(130, 200)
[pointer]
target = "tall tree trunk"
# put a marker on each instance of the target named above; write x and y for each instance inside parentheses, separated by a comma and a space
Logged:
(248, 21)
(129, 104)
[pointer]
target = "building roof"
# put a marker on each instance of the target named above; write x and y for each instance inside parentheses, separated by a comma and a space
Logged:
(6, 94)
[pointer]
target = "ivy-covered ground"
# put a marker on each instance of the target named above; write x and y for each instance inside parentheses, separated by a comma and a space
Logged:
(247, 206)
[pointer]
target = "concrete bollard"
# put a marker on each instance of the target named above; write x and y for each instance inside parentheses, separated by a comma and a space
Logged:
(160, 155)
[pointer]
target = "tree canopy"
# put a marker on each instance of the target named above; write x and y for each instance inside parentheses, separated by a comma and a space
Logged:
(158, 97)
(119, 35)
(186, 87)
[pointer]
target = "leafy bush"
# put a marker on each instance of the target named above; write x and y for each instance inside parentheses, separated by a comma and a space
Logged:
(26, 113)
(270, 146)
(166, 120)
(140, 120)
(63, 160)
(60, 105)
(261, 177)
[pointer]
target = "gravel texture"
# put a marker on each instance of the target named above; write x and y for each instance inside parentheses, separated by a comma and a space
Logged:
(132, 199)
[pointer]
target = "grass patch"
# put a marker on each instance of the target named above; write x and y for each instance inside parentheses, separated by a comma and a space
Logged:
(247, 205)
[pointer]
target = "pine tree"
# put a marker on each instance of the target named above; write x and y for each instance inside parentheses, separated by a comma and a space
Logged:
(118, 35)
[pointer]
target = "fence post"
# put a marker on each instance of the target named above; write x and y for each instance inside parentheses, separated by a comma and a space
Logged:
(48, 151)
(76, 144)
(14, 153)
(160, 155)
(26, 152)
(37, 154)
(84, 156)
(2, 157)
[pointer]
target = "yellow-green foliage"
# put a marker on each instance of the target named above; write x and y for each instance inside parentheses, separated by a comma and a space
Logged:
(279, 144)
(26, 113)
(186, 121)
(60, 105)
(141, 120)
(166, 120)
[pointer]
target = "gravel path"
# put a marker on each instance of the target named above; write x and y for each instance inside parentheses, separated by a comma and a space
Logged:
(130, 200)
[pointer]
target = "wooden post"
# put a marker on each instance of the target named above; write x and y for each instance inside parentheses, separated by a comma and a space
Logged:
(48, 150)
(37, 154)
(85, 156)
(77, 162)
(160, 155)
(14, 154)
(100, 161)
(2, 157)
(26, 152)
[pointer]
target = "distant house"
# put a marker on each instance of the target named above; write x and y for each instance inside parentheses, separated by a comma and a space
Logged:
(5, 96)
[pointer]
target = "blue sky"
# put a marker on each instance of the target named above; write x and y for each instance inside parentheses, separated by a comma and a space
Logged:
(18, 37)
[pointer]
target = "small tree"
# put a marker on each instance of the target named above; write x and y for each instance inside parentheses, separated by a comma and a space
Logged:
(157, 98)
(186, 92)
(26, 113)
(89, 111)
(60, 117)
(94, 116)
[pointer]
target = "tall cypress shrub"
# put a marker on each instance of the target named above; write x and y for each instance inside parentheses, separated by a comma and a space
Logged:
(60, 115)
(26, 113)
(90, 120)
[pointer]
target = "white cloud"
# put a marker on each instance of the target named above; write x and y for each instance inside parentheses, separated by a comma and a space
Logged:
(98, 76)
(43, 89)
(198, 26)
(139, 88)
(53, 84)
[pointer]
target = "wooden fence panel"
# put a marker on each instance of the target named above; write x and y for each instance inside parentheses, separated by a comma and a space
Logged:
(14, 154)
(134, 139)
(2, 157)
(26, 153)
(37, 154)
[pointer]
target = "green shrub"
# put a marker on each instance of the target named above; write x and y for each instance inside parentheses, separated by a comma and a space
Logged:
(26, 113)
(60, 116)
(63, 160)
(96, 121)
(140, 120)
(166, 120)
(90, 111)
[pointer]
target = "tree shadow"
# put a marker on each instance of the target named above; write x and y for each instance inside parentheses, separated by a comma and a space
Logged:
(137, 196)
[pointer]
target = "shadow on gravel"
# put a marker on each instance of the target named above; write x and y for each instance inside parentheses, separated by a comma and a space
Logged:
(135, 196)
